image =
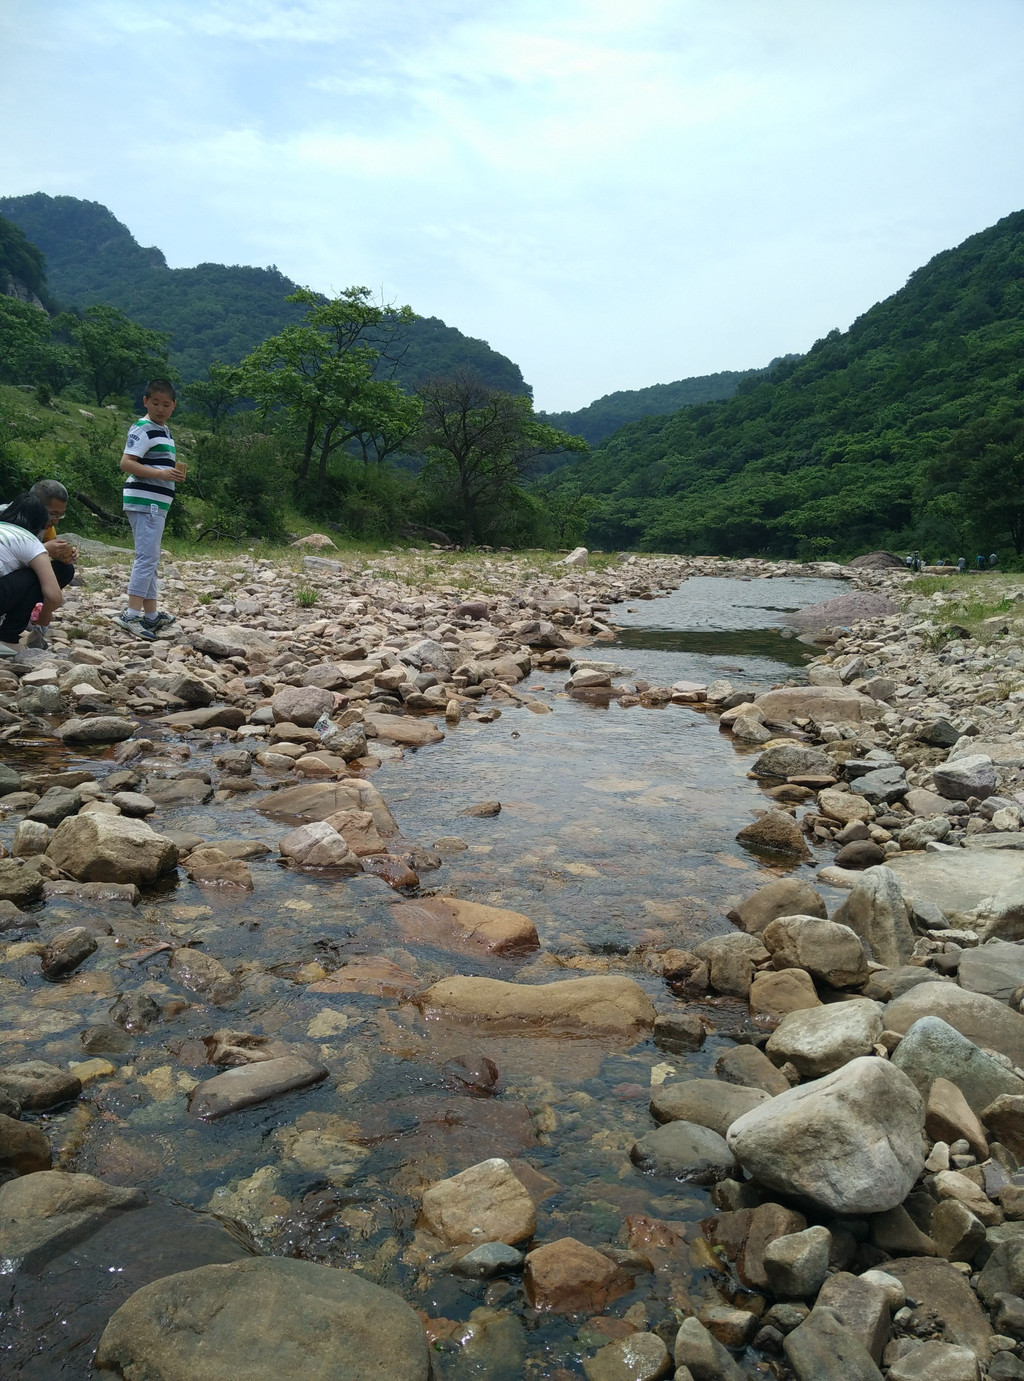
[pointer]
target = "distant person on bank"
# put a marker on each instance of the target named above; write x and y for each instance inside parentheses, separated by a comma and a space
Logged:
(27, 576)
(152, 468)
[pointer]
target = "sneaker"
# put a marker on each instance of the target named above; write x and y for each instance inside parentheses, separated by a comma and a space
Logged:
(133, 623)
(158, 620)
(37, 639)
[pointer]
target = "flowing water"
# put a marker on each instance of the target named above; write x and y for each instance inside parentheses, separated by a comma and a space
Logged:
(616, 832)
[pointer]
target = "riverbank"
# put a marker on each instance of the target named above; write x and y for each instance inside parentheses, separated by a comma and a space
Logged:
(271, 1003)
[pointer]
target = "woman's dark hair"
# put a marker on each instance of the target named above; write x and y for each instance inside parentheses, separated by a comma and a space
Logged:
(28, 512)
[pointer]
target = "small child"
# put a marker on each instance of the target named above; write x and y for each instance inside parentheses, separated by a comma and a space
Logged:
(152, 469)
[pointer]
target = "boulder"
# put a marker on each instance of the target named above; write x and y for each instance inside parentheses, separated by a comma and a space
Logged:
(321, 800)
(945, 1300)
(960, 778)
(640, 1357)
(700, 1355)
(107, 848)
(822, 1039)
(845, 806)
(577, 1006)
(796, 1265)
(824, 704)
(825, 949)
(792, 760)
(568, 1277)
(319, 845)
(19, 885)
(359, 832)
(849, 1143)
(35, 1086)
(684, 1151)
(485, 1203)
(265, 1319)
(823, 1348)
(843, 610)
(404, 730)
(199, 972)
(933, 1049)
(864, 1304)
(23, 1148)
(949, 1117)
(981, 1019)
(995, 969)
(98, 729)
(775, 995)
(1001, 916)
(875, 910)
(1004, 1117)
(231, 640)
(777, 833)
(707, 1102)
(302, 705)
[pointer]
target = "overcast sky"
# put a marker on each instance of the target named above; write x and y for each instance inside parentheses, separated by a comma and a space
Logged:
(614, 193)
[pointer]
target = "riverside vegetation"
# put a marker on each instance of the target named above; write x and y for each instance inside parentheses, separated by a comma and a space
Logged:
(335, 1107)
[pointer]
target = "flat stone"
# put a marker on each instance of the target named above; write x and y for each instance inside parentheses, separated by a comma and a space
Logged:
(42, 1213)
(823, 1348)
(823, 704)
(957, 881)
(97, 729)
(612, 1005)
(207, 717)
(320, 800)
(707, 1102)
(981, 1019)
(319, 845)
(265, 1319)
(944, 1294)
(20, 885)
(751, 1068)
(485, 1203)
(247, 1085)
(864, 1306)
(949, 1117)
(465, 925)
(404, 730)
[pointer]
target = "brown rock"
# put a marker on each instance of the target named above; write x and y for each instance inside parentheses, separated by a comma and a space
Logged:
(746, 1065)
(23, 1147)
(1004, 1117)
(201, 973)
(465, 925)
(945, 1300)
(211, 866)
(485, 1203)
(775, 832)
(403, 729)
(782, 897)
(777, 994)
(614, 1006)
(567, 1277)
(767, 1223)
(948, 1117)
(358, 830)
(372, 974)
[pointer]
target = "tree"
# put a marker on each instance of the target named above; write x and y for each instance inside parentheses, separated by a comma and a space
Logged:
(986, 463)
(482, 441)
(323, 374)
(216, 395)
(113, 354)
(28, 352)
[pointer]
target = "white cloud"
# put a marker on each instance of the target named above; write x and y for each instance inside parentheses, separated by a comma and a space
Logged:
(612, 196)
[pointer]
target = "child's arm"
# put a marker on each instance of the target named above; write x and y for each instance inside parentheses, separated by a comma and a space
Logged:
(131, 465)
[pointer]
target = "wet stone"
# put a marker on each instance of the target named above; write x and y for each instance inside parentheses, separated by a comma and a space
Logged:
(568, 1277)
(487, 1261)
(134, 1011)
(642, 1357)
(35, 1085)
(250, 1084)
(682, 1150)
(23, 1147)
(484, 1203)
(66, 951)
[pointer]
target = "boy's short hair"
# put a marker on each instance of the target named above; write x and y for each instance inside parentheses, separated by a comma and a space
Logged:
(160, 386)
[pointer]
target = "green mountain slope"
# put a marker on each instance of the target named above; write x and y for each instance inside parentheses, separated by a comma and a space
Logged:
(606, 415)
(846, 447)
(212, 311)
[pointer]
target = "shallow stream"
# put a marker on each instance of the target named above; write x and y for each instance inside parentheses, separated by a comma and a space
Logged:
(616, 831)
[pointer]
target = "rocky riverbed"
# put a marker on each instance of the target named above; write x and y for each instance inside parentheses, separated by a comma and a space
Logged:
(281, 1095)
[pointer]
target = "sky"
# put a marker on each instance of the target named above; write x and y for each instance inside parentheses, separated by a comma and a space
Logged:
(612, 194)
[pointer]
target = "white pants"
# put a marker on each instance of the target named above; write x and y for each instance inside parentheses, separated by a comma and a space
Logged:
(147, 525)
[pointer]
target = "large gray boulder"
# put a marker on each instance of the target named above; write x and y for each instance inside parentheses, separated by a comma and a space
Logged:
(875, 910)
(995, 969)
(111, 848)
(850, 1143)
(825, 949)
(818, 1040)
(960, 778)
(981, 1019)
(265, 1319)
(932, 1049)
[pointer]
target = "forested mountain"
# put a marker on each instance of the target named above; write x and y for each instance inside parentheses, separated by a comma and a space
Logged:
(599, 419)
(905, 430)
(213, 311)
(22, 270)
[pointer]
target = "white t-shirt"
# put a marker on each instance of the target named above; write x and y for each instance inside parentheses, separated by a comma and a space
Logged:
(17, 548)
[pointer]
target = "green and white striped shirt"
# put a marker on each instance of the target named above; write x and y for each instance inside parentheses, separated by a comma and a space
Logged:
(152, 443)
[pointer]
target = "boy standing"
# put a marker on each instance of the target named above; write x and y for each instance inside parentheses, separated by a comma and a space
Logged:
(151, 466)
